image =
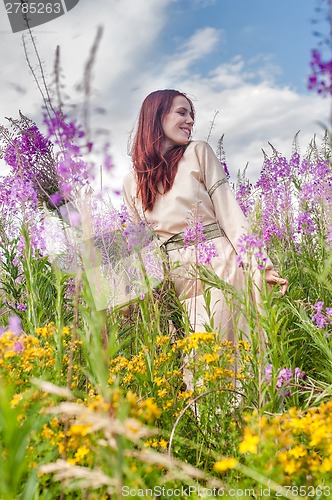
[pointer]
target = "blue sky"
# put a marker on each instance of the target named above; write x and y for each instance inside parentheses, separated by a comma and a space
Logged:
(246, 59)
(280, 30)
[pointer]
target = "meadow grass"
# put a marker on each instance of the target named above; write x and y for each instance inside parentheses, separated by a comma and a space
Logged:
(93, 401)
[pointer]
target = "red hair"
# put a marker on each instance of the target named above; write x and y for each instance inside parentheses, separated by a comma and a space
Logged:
(151, 166)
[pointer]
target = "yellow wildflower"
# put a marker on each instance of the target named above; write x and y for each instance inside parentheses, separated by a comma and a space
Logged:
(298, 451)
(291, 466)
(46, 432)
(225, 464)
(15, 400)
(243, 344)
(149, 410)
(82, 452)
(249, 443)
(79, 429)
(162, 340)
(326, 465)
(159, 381)
(210, 358)
(162, 392)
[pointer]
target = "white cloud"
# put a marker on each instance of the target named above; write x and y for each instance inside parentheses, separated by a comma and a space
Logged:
(251, 115)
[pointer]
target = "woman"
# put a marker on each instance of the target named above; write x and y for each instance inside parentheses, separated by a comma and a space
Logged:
(177, 182)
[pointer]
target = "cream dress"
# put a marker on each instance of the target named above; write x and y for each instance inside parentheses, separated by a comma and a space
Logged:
(200, 192)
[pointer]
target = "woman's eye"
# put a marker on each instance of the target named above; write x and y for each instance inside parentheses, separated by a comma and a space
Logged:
(181, 113)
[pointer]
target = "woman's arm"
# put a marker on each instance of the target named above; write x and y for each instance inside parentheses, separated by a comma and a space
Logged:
(228, 212)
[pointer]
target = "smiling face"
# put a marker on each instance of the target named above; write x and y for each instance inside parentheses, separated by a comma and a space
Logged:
(177, 124)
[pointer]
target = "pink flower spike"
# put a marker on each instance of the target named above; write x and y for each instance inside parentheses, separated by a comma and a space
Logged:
(14, 325)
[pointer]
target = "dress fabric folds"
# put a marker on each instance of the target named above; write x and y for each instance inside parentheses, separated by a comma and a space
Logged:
(200, 193)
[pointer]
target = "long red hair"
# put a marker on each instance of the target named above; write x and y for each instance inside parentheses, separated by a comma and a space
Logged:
(151, 166)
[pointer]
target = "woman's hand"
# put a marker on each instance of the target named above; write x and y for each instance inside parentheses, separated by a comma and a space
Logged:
(273, 278)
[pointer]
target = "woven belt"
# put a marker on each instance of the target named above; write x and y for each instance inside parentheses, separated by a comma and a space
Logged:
(210, 232)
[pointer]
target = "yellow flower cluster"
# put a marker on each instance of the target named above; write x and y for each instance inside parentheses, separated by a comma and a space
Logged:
(194, 341)
(297, 444)
(157, 368)
(156, 443)
(135, 365)
(148, 410)
(20, 355)
(249, 442)
(225, 464)
(50, 330)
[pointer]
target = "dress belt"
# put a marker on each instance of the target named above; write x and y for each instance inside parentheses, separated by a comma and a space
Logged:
(210, 232)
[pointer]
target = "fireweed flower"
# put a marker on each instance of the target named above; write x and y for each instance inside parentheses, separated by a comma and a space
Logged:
(30, 156)
(205, 252)
(268, 372)
(275, 196)
(298, 374)
(243, 197)
(55, 199)
(137, 236)
(251, 245)
(152, 264)
(67, 135)
(305, 224)
(108, 161)
(284, 378)
(329, 239)
(18, 346)
(14, 325)
(322, 318)
(21, 307)
(320, 78)
(294, 195)
(194, 235)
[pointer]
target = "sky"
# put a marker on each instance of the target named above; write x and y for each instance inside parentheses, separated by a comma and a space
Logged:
(244, 63)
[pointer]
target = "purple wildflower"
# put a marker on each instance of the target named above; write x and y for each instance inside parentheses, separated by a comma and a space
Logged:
(268, 372)
(244, 198)
(14, 325)
(305, 224)
(194, 234)
(123, 214)
(21, 307)
(205, 252)
(284, 378)
(18, 346)
(321, 77)
(298, 373)
(321, 318)
(284, 375)
(137, 236)
(70, 167)
(251, 245)
(55, 199)
(329, 239)
(108, 161)
(152, 264)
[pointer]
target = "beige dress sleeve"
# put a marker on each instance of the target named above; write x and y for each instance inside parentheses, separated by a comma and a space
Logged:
(227, 210)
